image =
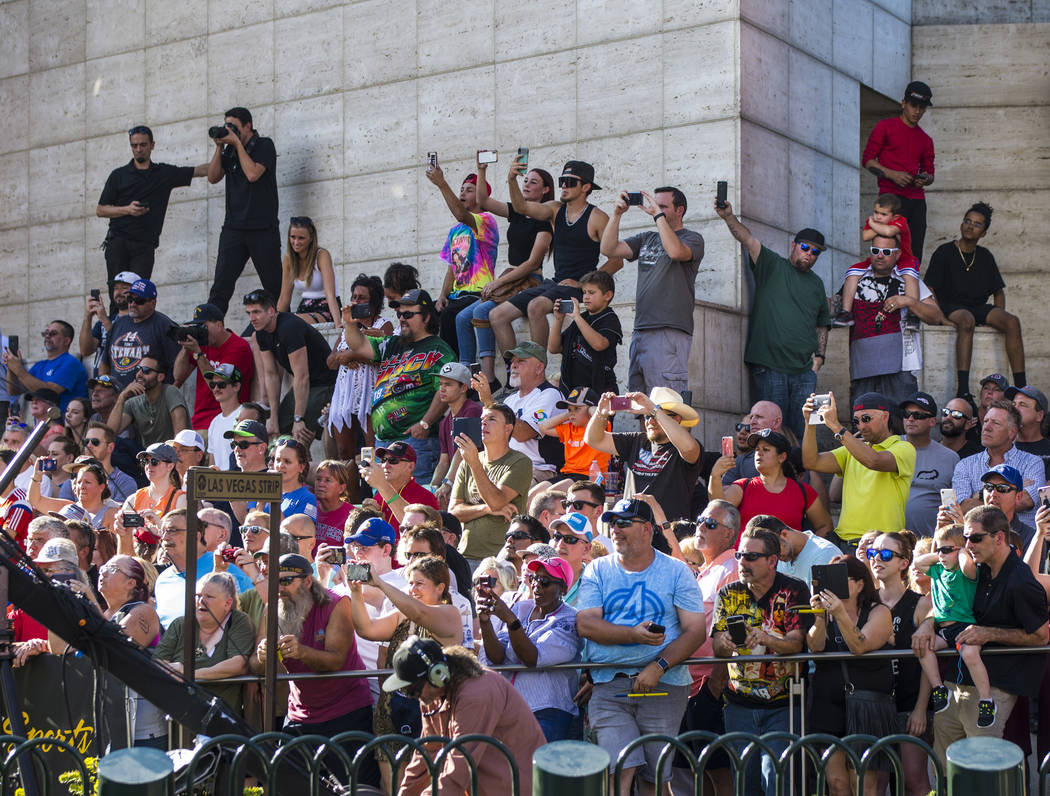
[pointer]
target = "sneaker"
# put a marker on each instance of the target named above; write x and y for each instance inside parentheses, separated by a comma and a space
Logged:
(842, 318)
(986, 713)
(939, 699)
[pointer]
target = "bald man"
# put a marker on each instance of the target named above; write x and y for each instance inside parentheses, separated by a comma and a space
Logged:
(766, 414)
(305, 532)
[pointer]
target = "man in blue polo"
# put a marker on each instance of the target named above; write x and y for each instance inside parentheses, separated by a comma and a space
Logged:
(59, 371)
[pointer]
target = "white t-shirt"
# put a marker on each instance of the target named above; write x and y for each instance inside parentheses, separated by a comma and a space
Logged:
(221, 449)
(533, 409)
(369, 650)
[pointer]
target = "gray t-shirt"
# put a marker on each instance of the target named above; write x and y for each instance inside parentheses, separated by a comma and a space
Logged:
(934, 466)
(816, 551)
(154, 420)
(666, 289)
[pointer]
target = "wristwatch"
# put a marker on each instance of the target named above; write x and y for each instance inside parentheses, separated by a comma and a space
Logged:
(424, 425)
(662, 663)
(840, 433)
(297, 418)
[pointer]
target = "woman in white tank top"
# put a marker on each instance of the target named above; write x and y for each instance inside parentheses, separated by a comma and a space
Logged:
(308, 268)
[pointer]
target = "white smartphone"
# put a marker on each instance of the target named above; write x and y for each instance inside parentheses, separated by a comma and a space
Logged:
(948, 498)
(819, 402)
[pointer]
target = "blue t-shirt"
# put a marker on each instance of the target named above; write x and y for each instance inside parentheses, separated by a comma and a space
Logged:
(630, 598)
(298, 501)
(65, 370)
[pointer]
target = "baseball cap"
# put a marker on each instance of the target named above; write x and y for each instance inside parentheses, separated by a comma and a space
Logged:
(44, 394)
(159, 450)
(72, 511)
(575, 522)
(373, 531)
(248, 428)
(810, 235)
(921, 399)
(127, 277)
(774, 438)
(103, 380)
(529, 350)
(1007, 472)
(451, 523)
(556, 567)
(473, 180)
(207, 312)
(412, 661)
(629, 509)
(998, 379)
(456, 371)
(539, 549)
(581, 169)
(919, 93)
(414, 297)
(400, 449)
(293, 562)
(58, 550)
(581, 396)
(225, 370)
(143, 288)
(190, 438)
(1029, 391)
(873, 400)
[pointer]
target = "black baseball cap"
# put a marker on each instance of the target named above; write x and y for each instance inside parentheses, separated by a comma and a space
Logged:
(412, 661)
(919, 93)
(921, 399)
(414, 297)
(248, 428)
(810, 235)
(206, 312)
(582, 170)
(873, 400)
(293, 562)
(774, 438)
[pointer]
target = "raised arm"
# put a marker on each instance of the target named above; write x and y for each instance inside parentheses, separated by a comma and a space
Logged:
(453, 202)
(739, 231)
(596, 436)
(542, 211)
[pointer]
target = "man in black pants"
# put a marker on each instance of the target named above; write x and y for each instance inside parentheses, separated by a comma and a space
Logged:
(249, 163)
(135, 200)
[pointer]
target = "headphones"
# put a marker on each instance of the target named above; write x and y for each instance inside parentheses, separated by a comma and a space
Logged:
(438, 673)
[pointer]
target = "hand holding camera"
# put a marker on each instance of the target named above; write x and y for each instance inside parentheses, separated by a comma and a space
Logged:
(566, 307)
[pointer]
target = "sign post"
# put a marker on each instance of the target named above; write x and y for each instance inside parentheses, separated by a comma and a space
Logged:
(203, 483)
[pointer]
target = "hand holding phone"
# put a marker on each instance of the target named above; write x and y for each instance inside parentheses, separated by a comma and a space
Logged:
(820, 402)
(620, 403)
(722, 191)
(727, 446)
(737, 627)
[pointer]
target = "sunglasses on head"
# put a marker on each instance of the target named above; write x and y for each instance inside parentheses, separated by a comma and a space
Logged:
(217, 384)
(739, 556)
(882, 554)
(578, 505)
(244, 444)
(517, 536)
(255, 297)
(146, 369)
(286, 580)
(875, 250)
(561, 537)
(140, 130)
(947, 549)
(408, 314)
(915, 415)
(809, 247)
(1002, 489)
(300, 221)
(568, 182)
(139, 300)
(13, 422)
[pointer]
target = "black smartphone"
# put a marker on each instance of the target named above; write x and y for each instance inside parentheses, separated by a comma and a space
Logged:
(12, 343)
(471, 426)
(361, 572)
(737, 627)
(475, 369)
(655, 628)
(720, 193)
(523, 155)
(488, 581)
(336, 555)
(634, 198)
(46, 464)
(132, 520)
(360, 312)
(831, 577)
(96, 294)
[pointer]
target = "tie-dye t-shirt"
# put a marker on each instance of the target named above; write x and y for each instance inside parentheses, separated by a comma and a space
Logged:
(471, 257)
(407, 382)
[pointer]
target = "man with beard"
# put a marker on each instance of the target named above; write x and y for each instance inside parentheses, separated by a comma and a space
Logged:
(664, 460)
(316, 634)
(158, 410)
(958, 417)
(94, 337)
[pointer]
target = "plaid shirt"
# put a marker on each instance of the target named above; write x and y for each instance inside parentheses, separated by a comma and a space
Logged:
(967, 477)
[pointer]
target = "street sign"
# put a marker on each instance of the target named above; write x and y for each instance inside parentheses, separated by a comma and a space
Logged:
(205, 484)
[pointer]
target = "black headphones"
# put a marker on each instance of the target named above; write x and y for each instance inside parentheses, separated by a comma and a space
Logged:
(438, 673)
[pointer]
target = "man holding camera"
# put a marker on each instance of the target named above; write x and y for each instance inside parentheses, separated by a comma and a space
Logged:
(157, 409)
(135, 335)
(206, 344)
(135, 200)
(248, 162)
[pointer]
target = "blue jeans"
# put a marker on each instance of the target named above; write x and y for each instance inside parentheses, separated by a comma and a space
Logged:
(428, 451)
(787, 390)
(758, 721)
(555, 724)
(485, 346)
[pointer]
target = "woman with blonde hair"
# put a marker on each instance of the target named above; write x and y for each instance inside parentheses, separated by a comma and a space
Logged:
(308, 268)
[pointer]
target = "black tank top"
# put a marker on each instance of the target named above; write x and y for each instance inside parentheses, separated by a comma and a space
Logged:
(906, 671)
(868, 674)
(575, 254)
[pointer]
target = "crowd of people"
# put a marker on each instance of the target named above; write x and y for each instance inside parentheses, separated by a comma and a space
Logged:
(472, 508)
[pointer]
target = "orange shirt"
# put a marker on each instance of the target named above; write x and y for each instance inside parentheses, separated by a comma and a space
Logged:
(578, 454)
(141, 500)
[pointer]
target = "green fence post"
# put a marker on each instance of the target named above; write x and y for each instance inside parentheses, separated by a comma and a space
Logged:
(139, 771)
(570, 768)
(983, 766)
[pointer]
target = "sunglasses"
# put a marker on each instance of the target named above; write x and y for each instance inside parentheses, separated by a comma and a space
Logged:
(622, 523)
(560, 537)
(253, 529)
(809, 247)
(882, 554)
(152, 461)
(743, 426)
(303, 538)
(578, 504)
(875, 250)
(139, 300)
(217, 384)
(50, 333)
(1002, 489)
(568, 182)
(954, 413)
(408, 314)
(539, 580)
(739, 556)
(301, 221)
(390, 459)
(911, 415)
(517, 536)
(974, 538)
(93, 441)
(947, 549)
(146, 369)
(709, 522)
(244, 444)
(863, 419)
(286, 580)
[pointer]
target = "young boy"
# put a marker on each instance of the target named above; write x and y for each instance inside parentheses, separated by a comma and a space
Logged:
(953, 583)
(588, 345)
(569, 427)
(885, 219)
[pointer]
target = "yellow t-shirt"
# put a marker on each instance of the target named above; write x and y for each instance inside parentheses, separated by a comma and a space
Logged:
(873, 500)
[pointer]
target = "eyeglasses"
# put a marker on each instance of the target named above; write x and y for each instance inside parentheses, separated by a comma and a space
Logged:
(912, 415)
(875, 250)
(954, 413)
(809, 247)
(539, 580)
(710, 523)
(300, 221)
(743, 426)
(974, 538)
(1002, 489)
(286, 580)
(568, 182)
(408, 314)
(93, 441)
(244, 444)
(739, 556)
(561, 537)
(518, 536)
(882, 554)
(863, 419)
(391, 460)
(253, 529)
(578, 505)
(947, 549)
(217, 384)
(146, 370)
(139, 300)
(50, 333)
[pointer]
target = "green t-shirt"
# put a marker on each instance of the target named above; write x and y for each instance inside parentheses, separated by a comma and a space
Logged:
(485, 536)
(407, 383)
(789, 305)
(952, 594)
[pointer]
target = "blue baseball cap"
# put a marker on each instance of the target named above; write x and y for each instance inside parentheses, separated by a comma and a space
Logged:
(575, 522)
(143, 288)
(629, 509)
(371, 532)
(1006, 472)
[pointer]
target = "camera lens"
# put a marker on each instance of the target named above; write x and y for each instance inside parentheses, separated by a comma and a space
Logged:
(217, 132)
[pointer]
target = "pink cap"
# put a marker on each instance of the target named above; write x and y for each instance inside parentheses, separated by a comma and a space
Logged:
(556, 568)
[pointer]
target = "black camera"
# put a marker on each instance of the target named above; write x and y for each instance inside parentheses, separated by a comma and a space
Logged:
(133, 520)
(360, 312)
(220, 131)
(197, 331)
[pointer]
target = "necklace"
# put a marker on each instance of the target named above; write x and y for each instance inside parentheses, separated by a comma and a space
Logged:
(973, 257)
